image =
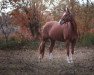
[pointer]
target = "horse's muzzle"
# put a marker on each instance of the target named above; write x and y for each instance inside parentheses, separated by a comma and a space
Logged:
(61, 22)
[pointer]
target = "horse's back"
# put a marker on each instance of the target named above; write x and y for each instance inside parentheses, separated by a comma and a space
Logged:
(50, 24)
(47, 27)
(53, 30)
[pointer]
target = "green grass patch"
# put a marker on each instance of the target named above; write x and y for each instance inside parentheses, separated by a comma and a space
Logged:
(18, 44)
(86, 40)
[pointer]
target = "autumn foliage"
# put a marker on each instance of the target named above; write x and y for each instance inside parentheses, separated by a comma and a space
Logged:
(28, 16)
(29, 20)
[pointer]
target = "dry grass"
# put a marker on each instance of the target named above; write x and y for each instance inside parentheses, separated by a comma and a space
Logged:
(25, 62)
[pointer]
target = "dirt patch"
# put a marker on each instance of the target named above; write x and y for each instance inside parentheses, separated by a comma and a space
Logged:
(26, 62)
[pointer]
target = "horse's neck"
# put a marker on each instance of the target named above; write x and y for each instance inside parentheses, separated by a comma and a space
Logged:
(74, 25)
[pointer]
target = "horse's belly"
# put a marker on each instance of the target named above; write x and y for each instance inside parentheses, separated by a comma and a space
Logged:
(56, 34)
(57, 38)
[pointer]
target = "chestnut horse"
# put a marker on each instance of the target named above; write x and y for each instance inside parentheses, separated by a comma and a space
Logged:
(64, 31)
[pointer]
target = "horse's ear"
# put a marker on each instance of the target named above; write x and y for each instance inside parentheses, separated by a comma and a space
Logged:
(64, 9)
(67, 10)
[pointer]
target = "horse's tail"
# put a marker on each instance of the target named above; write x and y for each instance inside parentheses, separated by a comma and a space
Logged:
(40, 34)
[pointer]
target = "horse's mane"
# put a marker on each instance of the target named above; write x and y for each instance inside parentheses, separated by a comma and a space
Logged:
(73, 22)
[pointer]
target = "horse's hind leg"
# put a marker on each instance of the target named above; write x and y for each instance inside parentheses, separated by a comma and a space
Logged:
(73, 42)
(42, 48)
(51, 48)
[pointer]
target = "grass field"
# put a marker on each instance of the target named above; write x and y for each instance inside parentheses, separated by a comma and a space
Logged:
(26, 62)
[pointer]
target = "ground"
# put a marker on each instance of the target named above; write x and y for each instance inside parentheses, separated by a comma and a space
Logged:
(26, 62)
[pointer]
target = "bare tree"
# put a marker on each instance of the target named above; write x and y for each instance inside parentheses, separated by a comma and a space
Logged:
(5, 26)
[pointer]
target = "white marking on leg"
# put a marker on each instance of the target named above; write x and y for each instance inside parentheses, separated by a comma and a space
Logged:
(70, 57)
(50, 56)
(68, 60)
(40, 57)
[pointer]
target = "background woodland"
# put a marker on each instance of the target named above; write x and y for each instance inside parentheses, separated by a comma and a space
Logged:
(22, 24)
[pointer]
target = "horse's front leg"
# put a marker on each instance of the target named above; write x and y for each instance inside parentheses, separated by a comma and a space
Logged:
(51, 49)
(72, 46)
(71, 57)
(68, 51)
(41, 49)
(72, 50)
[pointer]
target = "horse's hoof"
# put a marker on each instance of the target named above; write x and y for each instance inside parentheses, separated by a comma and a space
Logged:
(40, 57)
(71, 61)
(68, 60)
(50, 56)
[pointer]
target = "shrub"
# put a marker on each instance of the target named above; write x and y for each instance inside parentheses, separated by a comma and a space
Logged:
(18, 44)
(86, 40)
(10, 44)
(34, 44)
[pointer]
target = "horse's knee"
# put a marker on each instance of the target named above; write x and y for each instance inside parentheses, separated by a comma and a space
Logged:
(72, 46)
(67, 53)
(72, 51)
(67, 47)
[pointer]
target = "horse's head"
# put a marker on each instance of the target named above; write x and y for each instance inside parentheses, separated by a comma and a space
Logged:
(66, 16)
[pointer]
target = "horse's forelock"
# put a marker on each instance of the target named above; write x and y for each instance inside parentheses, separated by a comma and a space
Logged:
(64, 14)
